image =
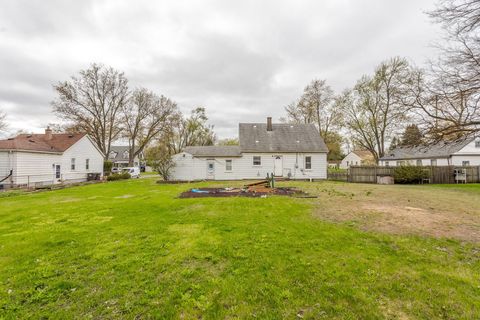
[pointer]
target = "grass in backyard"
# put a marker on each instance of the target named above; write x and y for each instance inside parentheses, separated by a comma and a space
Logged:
(131, 249)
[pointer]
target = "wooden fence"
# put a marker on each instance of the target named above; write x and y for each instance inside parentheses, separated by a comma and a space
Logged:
(369, 174)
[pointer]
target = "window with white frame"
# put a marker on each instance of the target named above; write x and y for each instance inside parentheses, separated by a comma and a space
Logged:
(465, 163)
(387, 164)
(308, 162)
(125, 155)
(72, 164)
(433, 162)
(257, 161)
(400, 163)
(228, 165)
(419, 162)
(87, 164)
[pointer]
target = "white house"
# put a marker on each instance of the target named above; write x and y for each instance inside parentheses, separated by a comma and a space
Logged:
(462, 152)
(295, 151)
(119, 155)
(42, 159)
(357, 158)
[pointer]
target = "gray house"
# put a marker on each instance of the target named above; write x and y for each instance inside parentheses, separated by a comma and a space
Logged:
(295, 151)
(462, 152)
(119, 155)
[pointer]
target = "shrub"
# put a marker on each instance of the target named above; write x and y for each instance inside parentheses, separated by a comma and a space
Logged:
(118, 176)
(409, 174)
(107, 167)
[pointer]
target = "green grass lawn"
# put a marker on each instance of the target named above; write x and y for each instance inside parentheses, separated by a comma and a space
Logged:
(132, 250)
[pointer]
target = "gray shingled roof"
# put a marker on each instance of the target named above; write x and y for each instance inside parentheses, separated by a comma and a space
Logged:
(119, 150)
(441, 149)
(254, 137)
(214, 151)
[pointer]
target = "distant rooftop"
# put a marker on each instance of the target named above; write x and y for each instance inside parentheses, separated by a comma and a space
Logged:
(441, 149)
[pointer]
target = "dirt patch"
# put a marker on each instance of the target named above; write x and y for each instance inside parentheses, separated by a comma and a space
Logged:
(237, 192)
(424, 211)
(398, 219)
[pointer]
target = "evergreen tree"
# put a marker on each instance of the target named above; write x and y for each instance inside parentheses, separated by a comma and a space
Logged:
(412, 136)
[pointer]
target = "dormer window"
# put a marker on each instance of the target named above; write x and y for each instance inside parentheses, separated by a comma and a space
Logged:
(113, 154)
(125, 155)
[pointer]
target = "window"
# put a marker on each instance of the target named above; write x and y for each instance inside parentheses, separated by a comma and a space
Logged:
(87, 164)
(308, 162)
(57, 171)
(433, 162)
(347, 163)
(210, 166)
(228, 165)
(125, 155)
(387, 164)
(419, 163)
(477, 143)
(465, 163)
(400, 163)
(72, 164)
(257, 161)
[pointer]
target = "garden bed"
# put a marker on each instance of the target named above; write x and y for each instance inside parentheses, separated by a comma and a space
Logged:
(241, 192)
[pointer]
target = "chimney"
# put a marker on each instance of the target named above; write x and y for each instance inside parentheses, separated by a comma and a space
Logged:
(48, 134)
(269, 124)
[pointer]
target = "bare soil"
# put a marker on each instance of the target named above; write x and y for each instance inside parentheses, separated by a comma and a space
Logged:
(237, 192)
(418, 210)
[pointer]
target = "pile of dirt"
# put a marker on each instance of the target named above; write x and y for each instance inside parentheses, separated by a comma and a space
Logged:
(240, 192)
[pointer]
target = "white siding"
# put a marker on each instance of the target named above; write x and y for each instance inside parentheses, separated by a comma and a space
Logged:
(457, 160)
(350, 160)
(7, 163)
(191, 168)
(413, 162)
(35, 167)
(82, 150)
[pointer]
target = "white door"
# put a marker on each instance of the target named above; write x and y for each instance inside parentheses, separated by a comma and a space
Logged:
(278, 166)
(210, 169)
(58, 173)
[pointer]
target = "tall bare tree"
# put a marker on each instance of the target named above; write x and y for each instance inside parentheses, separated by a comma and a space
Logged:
(92, 102)
(316, 106)
(3, 122)
(191, 131)
(145, 117)
(373, 110)
(448, 97)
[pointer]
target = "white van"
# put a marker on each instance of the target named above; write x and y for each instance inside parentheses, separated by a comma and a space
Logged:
(134, 171)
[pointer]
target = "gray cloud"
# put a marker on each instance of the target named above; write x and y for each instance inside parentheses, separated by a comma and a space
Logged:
(242, 60)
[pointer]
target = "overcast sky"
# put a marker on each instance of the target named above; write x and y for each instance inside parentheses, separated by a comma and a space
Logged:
(242, 60)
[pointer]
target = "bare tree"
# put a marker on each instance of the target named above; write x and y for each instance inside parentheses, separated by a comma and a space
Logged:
(92, 102)
(145, 117)
(3, 122)
(316, 106)
(445, 111)
(448, 97)
(374, 109)
(191, 131)
(458, 16)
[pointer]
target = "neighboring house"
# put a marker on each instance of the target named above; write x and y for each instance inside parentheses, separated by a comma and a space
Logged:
(119, 155)
(462, 152)
(42, 159)
(295, 151)
(357, 158)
